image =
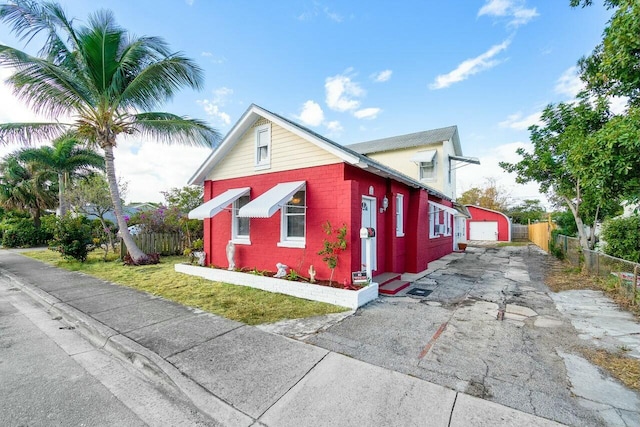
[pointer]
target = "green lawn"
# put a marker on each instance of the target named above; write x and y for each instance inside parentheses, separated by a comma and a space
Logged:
(241, 303)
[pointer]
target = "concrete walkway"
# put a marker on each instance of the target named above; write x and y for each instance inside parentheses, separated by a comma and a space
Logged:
(239, 375)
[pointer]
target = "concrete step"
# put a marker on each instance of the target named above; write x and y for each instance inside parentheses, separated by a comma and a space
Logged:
(392, 288)
(384, 278)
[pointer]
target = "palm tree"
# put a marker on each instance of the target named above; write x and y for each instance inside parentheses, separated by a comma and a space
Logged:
(24, 187)
(66, 159)
(106, 80)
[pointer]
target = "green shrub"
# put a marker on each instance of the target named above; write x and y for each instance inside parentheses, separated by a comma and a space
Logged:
(622, 237)
(72, 238)
(21, 232)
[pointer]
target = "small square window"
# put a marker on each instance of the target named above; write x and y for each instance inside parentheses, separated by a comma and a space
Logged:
(428, 170)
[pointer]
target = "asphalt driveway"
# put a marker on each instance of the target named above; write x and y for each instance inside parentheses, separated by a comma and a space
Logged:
(452, 337)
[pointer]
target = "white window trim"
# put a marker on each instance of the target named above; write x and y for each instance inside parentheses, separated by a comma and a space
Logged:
(265, 164)
(292, 242)
(235, 238)
(434, 176)
(447, 223)
(399, 215)
(434, 221)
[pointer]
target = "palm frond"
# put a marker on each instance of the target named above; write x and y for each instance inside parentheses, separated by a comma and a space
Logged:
(29, 133)
(158, 82)
(170, 129)
(48, 89)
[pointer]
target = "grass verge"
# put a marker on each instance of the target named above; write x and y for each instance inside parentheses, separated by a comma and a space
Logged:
(241, 303)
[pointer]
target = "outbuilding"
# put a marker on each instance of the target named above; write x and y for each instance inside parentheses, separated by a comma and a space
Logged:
(487, 224)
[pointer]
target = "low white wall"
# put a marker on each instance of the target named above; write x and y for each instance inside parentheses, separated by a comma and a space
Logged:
(341, 297)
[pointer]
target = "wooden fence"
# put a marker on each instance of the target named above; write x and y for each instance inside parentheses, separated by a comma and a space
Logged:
(161, 243)
(540, 234)
(519, 233)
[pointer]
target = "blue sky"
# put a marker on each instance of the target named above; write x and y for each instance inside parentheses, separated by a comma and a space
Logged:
(355, 71)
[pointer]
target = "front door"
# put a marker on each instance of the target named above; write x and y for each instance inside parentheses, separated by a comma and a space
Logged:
(369, 220)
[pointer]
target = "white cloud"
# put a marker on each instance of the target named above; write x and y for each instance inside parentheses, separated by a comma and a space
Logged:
(334, 128)
(470, 67)
(569, 83)
(213, 107)
(341, 92)
(471, 176)
(367, 113)
(618, 104)
(319, 9)
(382, 76)
(311, 114)
(207, 54)
(150, 167)
(518, 122)
(514, 10)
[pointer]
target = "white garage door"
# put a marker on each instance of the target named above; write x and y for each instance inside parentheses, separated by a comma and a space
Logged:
(487, 230)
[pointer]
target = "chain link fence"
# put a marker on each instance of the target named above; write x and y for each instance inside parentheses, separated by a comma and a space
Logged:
(625, 272)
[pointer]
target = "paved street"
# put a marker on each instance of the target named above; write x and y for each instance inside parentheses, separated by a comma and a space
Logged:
(50, 376)
(531, 361)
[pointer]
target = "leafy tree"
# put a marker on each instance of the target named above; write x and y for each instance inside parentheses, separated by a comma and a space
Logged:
(555, 160)
(66, 159)
(186, 199)
(107, 80)
(90, 196)
(613, 68)
(622, 237)
(490, 196)
(527, 211)
(24, 187)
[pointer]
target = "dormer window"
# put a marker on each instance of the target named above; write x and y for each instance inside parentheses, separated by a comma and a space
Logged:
(263, 147)
(428, 170)
(427, 161)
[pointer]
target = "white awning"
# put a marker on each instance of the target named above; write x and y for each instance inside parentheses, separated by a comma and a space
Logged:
(217, 204)
(423, 156)
(444, 208)
(270, 202)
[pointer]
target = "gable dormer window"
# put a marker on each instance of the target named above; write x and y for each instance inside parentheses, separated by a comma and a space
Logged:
(263, 147)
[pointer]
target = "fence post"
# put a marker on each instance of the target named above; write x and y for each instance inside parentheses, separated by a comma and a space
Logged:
(635, 284)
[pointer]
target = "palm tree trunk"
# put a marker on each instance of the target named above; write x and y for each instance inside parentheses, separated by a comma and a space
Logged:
(136, 254)
(61, 187)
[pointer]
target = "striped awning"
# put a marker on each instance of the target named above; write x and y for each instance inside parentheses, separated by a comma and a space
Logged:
(265, 205)
(214, 206)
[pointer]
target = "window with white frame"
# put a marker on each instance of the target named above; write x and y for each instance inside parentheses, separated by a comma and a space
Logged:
(428, 170)
(399, 215)
(294, 218)
(263, 146)
(448, 218)
(240, 225)
(435, 221)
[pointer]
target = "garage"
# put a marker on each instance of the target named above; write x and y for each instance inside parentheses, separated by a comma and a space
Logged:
(483, 230)
(487, 224)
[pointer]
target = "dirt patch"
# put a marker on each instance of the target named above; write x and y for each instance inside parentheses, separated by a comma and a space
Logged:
(624, 368)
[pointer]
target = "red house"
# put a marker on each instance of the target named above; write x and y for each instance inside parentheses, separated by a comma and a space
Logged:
(272, 184)
(487, 224)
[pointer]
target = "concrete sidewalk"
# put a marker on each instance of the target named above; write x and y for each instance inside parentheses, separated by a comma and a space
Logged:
(239, 375)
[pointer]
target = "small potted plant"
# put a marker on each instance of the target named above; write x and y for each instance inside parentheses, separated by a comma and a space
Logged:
(196, 253)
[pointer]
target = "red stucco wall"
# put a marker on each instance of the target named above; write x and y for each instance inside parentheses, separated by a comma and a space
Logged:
(479, 214)
(334, 193)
